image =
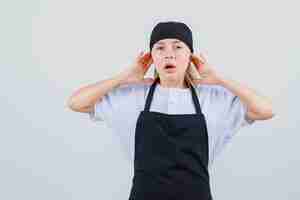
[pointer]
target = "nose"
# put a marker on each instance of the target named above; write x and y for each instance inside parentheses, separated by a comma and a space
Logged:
(169, 54)
(169, 57)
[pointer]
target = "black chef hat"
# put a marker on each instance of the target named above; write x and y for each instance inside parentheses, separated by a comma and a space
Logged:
(172, 29)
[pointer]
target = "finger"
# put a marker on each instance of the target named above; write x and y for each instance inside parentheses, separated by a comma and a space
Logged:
(199, 58)
(202, 57)
(142, 58)
(144, 55)
(199, 66)
(140, 55)
(195, 60)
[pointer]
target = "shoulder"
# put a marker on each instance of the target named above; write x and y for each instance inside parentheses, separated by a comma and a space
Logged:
(211, 87)
(119, 103)
(213, 90)
(129, 95)
(217, 100)
(134, 86)
(129, 89)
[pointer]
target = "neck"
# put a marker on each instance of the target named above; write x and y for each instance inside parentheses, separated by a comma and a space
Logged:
(173, 83)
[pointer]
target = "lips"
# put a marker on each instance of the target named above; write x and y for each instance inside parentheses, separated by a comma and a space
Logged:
(169, 66)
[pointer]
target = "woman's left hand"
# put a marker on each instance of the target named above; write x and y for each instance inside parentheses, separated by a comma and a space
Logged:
(208, 74)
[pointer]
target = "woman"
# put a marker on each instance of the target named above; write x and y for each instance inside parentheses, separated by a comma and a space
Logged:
(173, 126)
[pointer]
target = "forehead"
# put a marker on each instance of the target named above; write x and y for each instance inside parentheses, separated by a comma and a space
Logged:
(168, 41)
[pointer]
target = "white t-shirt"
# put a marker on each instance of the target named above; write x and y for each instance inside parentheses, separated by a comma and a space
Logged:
(224, 112)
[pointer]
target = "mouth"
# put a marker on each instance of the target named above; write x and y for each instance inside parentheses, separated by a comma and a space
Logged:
(169, 66)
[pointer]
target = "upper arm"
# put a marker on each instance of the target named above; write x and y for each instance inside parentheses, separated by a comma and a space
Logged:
(120, 104)
(225, 114)
(238, 113)
(233, 113)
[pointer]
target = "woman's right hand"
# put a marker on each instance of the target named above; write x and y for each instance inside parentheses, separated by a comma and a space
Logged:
(135, 73)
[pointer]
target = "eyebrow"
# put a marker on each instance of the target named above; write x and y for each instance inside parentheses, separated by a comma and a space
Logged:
(176, 41)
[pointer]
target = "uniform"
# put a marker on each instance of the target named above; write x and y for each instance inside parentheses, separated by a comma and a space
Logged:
(172, 143)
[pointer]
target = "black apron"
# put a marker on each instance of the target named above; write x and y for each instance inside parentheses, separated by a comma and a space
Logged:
(171, 155)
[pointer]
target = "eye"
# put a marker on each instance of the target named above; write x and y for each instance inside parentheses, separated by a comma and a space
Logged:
(159, 47)
(179, 47)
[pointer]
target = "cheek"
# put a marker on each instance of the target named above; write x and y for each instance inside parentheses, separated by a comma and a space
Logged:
(184, 56)
(157, 61)
(183, 61)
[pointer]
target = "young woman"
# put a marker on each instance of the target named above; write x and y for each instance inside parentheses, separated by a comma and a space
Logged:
(174, 125)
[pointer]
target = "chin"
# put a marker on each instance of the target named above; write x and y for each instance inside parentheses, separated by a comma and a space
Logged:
(171, 76)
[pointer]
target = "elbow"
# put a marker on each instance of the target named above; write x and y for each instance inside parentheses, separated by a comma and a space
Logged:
(71, 104)
(81, 100)
(77, 105)
(74, 103)
(261, 114)
(267, 113)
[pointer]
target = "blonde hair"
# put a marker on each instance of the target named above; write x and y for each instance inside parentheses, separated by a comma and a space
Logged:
(187, 78)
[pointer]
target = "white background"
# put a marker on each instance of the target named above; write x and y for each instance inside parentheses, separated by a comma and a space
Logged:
(48, 49)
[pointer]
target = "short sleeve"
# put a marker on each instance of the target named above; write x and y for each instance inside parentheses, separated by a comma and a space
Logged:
(117, 104)
(234, 112)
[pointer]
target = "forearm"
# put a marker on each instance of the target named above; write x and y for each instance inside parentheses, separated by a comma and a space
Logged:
(256, 103)
(88, 95)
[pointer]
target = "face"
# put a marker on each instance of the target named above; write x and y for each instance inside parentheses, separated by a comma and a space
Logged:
(174, 52)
